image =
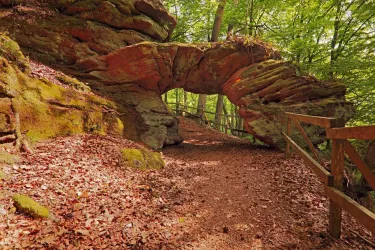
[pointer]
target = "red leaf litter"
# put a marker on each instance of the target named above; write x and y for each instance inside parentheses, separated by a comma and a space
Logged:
(216, 192)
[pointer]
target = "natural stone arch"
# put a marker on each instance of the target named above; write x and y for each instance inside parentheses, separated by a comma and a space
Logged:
(115, 46)
(263, 88)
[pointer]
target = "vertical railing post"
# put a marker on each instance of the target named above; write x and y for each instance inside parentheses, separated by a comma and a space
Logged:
(337, 170)
(288, 129)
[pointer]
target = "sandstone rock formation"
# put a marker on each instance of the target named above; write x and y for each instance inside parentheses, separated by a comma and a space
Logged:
(46, 109)
(116, 46)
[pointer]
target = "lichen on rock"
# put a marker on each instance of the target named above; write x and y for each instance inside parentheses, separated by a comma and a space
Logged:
(30, 207)
(142, 159)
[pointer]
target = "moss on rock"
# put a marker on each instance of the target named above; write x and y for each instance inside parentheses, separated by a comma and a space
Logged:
(73, 82)
(2, 175)
(28, 206)
(11, 51)
(8, 158)
(142, 159)
(48, 110)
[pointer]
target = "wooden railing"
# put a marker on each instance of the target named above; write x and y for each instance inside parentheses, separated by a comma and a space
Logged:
(226, 126)
(333, 179)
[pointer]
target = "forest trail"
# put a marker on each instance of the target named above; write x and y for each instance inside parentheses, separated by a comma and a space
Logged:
(249, 197)
(216, 192)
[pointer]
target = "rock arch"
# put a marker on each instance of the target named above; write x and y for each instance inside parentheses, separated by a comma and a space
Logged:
(116, 46)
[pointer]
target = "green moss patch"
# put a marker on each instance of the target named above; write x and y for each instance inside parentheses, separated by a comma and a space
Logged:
(2, 175)
(142, 159)
(73, 82)
(28, 206)
(8, 158)
(11, 51)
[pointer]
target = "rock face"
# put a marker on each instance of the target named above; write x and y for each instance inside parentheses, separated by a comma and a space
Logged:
(264, 91)
(46, 109)
(117, 47)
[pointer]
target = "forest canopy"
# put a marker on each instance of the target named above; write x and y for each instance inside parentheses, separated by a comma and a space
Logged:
(326, 38)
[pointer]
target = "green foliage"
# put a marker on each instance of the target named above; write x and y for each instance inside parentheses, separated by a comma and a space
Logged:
(330, 39)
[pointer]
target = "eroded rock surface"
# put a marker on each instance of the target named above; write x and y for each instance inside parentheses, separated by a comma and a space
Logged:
(117, 46)
(264, 91)
(46, 109)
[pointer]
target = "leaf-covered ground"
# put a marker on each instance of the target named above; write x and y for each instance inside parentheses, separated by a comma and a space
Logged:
(216, 192)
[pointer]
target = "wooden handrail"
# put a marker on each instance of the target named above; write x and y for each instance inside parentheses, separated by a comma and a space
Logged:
(208, 112)
(359, 133)
(361, 165)
(321, 172)
(334, 181)
(360, 213)
(210, 121)
(326, 122)
(307, 140)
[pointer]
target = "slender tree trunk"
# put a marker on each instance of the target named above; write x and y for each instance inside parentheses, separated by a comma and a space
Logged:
(218, 20)
(166, 97)
(230, 31)
(237, 120)
(227, 121)
(336, 26)
(251, 17)
(185, 101)
(215, 38)
(233, 113)
(219, 111)
(201, 104)
(178, 112)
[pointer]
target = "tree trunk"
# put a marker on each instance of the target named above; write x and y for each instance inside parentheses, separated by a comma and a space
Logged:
(185, 106)
(219, 111)
(336, 26)
(251, 17)
(166, 97)
(232, 117)
(215, 38)
(218, 20)
(201, 104)
(227, 122)
(230, 31)
(178, 111)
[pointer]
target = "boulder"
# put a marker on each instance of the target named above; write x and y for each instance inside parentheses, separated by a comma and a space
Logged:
(141, 159)
(30, 207)
(264, 91)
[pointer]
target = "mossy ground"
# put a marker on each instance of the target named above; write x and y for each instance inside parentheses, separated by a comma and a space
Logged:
(28, 206)
(142, 159)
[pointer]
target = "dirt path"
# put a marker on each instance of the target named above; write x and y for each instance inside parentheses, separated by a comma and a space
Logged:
(248, 197)
(216, 192)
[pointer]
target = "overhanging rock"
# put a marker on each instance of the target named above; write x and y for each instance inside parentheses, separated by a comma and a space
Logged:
(116, 46)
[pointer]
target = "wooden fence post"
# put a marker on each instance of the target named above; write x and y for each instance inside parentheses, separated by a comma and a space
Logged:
(337, 170)
(288, 128)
